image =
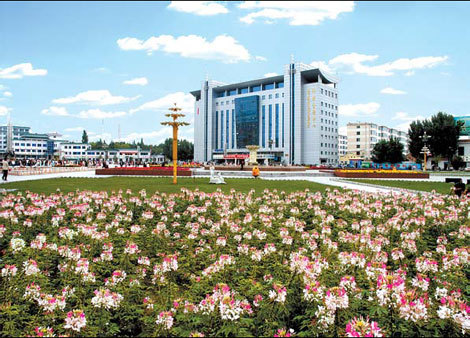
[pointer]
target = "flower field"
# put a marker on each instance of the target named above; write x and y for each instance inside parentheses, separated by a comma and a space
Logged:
(209, 264)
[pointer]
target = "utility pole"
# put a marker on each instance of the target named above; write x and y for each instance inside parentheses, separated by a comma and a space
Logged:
(175, 124)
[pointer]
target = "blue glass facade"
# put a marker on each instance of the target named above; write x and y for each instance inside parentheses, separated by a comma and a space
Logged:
(263, 127)
(222, 129)
(227, 126)
(233, 128)
(216, 130)
(283, 125)
(277, 127)
(247, 120)
(270, 130)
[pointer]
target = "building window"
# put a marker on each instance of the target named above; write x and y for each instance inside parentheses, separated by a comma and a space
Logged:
(216, 129)
(280, 85)
(358, 146)
(263, 97)
(277, 127)
(269, 86)
(255, 88)
(270, 96)
(358, 133)
(263, 126)
(358, 140)
(277, 95)
(321, 90)
(270, 130)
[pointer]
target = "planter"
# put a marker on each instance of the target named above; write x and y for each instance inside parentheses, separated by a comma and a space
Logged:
(391, 174)
(152, 171)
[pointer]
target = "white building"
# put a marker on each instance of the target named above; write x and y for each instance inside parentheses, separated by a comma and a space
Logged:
(362, 137)
(292, 117)
(342, 145)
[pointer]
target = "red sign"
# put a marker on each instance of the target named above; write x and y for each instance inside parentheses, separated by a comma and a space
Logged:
(236, 156)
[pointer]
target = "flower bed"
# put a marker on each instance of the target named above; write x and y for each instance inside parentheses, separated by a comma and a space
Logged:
(364, 173)
(195, 263)
(150, 171)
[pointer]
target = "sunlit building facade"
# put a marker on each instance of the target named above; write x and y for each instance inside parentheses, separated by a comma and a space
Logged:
(293, 118)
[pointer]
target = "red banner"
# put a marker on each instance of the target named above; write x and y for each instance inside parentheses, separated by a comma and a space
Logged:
(236, 156)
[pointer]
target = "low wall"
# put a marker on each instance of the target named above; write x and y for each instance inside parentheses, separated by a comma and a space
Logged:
(26, 171)
(359, 174)
(250, 168)
(142, 171)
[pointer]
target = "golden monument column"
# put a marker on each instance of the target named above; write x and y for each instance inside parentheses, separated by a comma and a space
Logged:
(175, 124)
(253, 154)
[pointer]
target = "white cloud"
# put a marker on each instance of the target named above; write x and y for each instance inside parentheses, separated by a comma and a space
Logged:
(139, 81)
(20, 70)
(74, 129)
(7, 94)
(205, 8)
(104, 137)
(297, 12)
(99, 114)
(182, 100)
(4, 110)
(361, 109)
(404, 116)
(343, 130)
(95, 97)
(270, 74)
(355, 63)
(223, 48)
(2, 87)
(55, 111)
(391, 91)
(260, 58)
(103, 70)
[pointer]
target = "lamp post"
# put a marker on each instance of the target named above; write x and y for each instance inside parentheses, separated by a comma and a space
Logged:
(425, 149)
(175, 124)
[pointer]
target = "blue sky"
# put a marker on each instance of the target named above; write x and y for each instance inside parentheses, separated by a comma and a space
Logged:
(99, 65)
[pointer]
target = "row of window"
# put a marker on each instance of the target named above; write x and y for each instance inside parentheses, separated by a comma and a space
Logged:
(329, 153)
(335, 130)
(327, 113)
(30, 145)
(329, 93)
(30, 151)
(263, 97)
(329, 145)
(327, 105)
(246, 90)
(329, 122)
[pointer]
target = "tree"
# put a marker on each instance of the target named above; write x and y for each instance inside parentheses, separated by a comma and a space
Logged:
(388, 151)
(185, 149)
(443, 133)
(457, 162)
(380, 152)
(84, 137)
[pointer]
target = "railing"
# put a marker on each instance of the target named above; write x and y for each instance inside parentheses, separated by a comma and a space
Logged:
(23, 171)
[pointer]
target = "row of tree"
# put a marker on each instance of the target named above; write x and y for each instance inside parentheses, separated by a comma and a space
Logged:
(442, 140)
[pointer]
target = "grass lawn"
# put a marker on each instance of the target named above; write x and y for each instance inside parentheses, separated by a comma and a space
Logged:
(152, 184)
(440, 187)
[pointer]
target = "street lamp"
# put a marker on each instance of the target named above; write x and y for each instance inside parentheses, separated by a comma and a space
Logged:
(425, 150)
(175, 124)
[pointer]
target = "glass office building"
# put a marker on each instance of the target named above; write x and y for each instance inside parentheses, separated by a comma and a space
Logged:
(292, 117)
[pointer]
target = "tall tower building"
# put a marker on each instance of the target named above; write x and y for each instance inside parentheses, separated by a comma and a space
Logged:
(293, 117)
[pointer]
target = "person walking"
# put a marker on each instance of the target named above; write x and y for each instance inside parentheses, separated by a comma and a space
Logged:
(5, 168)
(242, 163)
(255, 172)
